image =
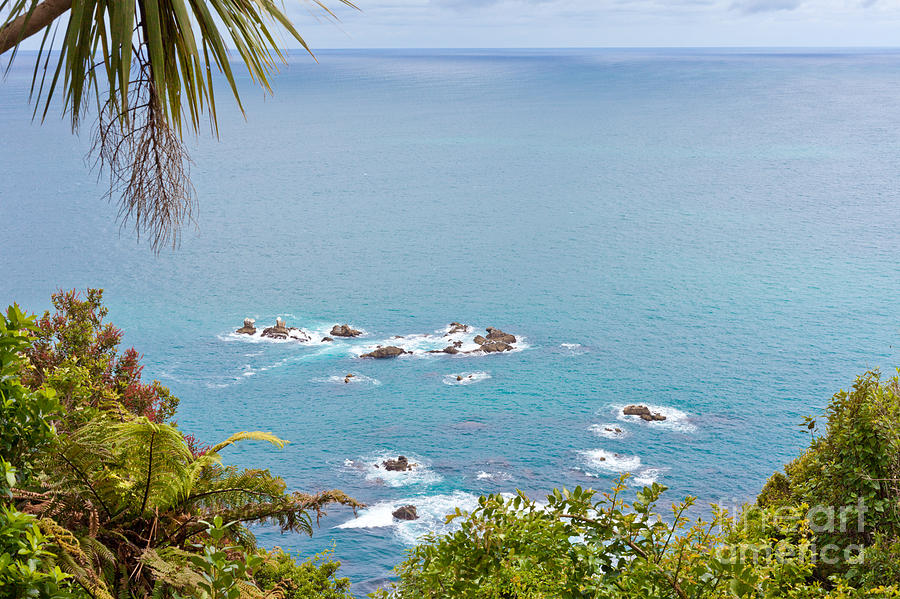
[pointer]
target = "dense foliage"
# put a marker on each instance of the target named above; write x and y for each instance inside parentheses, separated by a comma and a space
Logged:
(104, 496)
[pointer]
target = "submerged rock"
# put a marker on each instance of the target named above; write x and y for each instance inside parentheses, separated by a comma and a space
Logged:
(344, 330)
(450, 349)
(327, 339)
(643, 412)
(401, 464)
(407, 512)
(391, 351)
(248, 328)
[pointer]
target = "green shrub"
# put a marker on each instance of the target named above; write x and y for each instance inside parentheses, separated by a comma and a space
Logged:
(311, 579)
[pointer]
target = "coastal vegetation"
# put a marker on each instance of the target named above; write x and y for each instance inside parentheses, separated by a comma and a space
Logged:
(103, 495)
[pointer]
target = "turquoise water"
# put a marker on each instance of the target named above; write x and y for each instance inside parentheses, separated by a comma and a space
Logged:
(712, 233)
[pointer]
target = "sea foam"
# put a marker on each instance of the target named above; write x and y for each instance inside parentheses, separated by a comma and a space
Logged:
(431, 509)
(466, 378)
(619, 464)
(371, 468)
(676, 420)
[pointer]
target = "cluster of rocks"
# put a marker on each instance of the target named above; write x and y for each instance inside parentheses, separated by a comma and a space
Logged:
(348, 377)
(616, 430)
(279, 331)
(282, 331)
(401, 464)
(406, 512)
(644, 413)
(496, 341)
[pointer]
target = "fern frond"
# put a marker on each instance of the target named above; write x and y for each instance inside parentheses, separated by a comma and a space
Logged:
(249, 436)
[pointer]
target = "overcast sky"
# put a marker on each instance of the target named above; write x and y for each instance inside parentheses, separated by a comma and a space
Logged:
(599, 23)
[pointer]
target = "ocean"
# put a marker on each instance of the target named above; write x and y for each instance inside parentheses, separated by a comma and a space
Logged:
(712, 233)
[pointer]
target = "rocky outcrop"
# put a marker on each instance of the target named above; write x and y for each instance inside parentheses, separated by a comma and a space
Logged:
(479, 340)
(457, 327)
(450, 349)
(498, 335)
(391, 351)
(327, 339)
(282, 331)
(401, 464)
(344, 330)
(407, 512)
(248, 328)
(644, 413)
(492, 347)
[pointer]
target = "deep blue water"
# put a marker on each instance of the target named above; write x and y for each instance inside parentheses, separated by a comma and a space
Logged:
(713, 233)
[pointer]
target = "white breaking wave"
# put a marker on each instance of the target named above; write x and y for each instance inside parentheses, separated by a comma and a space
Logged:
(574, 349)
(312, 335)
(482, 475)
(466, 378)
(356, 379)
(431, 509)
(619, 464)
(609, 431)
(372, 469)
(613, 462)
(676, 420)
(420, 344)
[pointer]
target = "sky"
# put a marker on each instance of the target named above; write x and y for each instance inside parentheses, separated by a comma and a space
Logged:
(593, 24)
(602, 23)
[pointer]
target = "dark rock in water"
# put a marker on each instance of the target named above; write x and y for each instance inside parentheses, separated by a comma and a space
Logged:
(643, 412)
(282, 331)
(492, 347)
(458, 377)
(344, 330)
(450, 349)
(457, 344)
(327, 339)
(480, 340)
(348, 377)
(498, 335)
(407, 512)
(401, 464)
(390, 351)
(248, 328)
(457, 327)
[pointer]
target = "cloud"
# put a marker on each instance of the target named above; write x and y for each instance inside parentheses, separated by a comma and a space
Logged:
(752, 7)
